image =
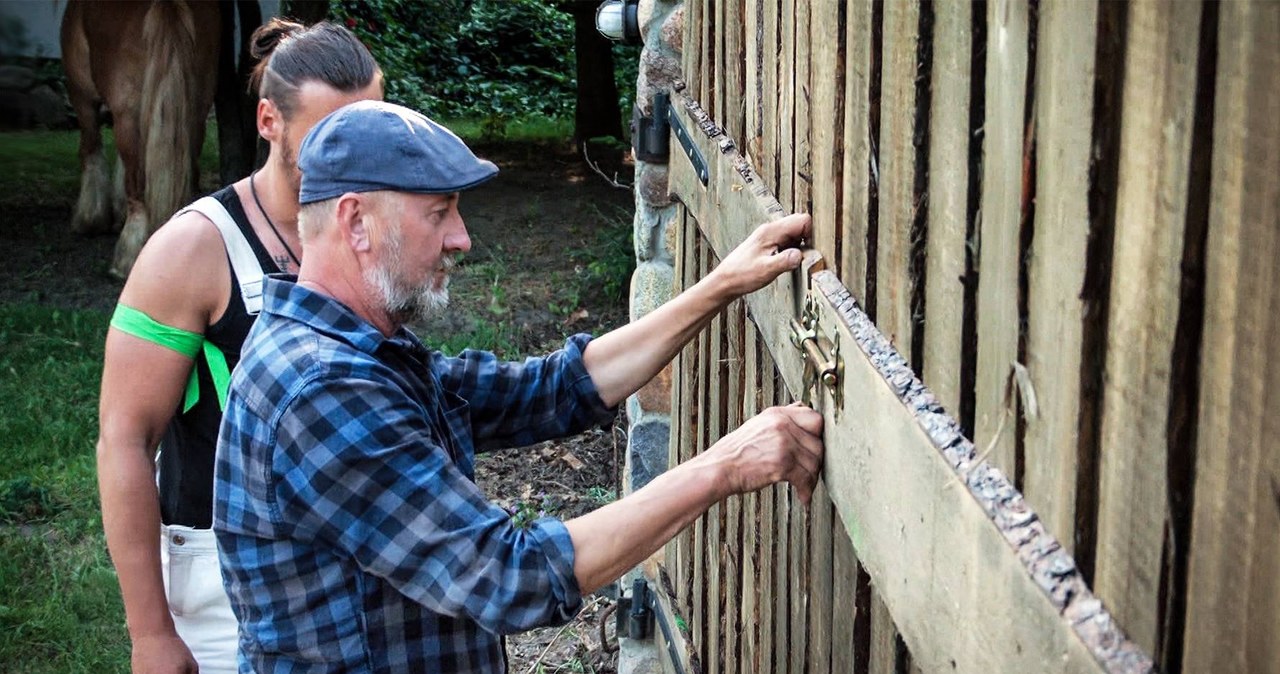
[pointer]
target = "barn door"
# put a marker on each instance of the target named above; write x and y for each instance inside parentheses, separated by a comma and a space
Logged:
(916, 553)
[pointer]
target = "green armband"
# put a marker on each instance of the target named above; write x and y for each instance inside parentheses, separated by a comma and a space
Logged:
(133, 322)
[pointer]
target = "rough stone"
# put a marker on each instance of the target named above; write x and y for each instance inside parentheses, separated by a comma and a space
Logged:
(648, 444)
(651, 286)
(673, 31)
(657, 73)
(644, 16)
(671, 234)
(651, 183)
(655, 397)
(651, 224)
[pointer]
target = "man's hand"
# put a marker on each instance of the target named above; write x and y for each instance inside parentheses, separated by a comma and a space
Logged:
(780, 443)
(768, 252)
(162, 654)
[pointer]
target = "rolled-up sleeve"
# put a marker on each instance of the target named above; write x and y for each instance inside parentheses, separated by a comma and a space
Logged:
(357, 469)
(515, 404)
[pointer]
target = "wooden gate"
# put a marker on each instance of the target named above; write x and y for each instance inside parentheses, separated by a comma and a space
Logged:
(1061, 216)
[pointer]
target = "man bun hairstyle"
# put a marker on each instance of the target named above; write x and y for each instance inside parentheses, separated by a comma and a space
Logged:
(290, 54)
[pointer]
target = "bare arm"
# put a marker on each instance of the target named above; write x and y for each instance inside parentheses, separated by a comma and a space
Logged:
(780, 444)
(623, 360)
(175, 282)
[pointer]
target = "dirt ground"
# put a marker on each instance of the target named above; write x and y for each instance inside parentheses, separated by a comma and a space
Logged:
(528, 282)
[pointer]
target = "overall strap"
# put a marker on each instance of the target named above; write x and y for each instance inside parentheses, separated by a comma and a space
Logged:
(243, 261)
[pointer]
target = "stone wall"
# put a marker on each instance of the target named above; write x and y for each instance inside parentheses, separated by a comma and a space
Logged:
(649, 410)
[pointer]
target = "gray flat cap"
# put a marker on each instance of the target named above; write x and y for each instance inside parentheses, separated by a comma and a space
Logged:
(373, 145)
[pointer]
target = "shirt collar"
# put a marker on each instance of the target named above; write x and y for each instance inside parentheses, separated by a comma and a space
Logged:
(283, 296)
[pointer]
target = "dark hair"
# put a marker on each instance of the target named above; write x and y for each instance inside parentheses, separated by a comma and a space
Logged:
(290, 54)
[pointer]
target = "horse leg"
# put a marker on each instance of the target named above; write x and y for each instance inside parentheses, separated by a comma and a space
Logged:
(118, 201)
(93, 207)
(136, 225)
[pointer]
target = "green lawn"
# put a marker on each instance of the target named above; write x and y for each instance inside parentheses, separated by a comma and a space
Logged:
(60, 608)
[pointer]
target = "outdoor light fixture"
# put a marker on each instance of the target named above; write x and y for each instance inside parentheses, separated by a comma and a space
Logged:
(619, 20)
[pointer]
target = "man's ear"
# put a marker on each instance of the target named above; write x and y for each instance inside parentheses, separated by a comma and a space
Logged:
(270, 121)
(354, 219)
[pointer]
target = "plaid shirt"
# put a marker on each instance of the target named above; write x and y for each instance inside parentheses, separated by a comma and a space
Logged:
(351, 533)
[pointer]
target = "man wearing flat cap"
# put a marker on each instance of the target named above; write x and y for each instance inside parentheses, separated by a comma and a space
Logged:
(352, 535)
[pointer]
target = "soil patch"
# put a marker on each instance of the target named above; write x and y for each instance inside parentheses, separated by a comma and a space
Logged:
(550, 246)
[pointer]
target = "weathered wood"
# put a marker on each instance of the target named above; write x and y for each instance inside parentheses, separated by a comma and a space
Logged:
(1055, 310)
(771, 45)
(753, 80)
(734, 547)
(1151, 209)
(710, 76)
(722, 90)
(1233, 591)
(948, 201)
(786, 112)
(898, 206)
(678, 548)
(803, 185)
(691, 56)
(844, 601)
(768, 530)
(1000, 229)
(680, 645)
(737, 95)
(909, 488)
(884, 638)
(712, 656)
(856, 174)
(752, 586)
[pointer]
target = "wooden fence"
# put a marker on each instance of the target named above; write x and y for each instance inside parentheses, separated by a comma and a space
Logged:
(1062, 215)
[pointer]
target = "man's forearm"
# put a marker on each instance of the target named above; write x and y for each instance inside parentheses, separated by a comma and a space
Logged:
(612, 539)
(131, 520)
(623, 360)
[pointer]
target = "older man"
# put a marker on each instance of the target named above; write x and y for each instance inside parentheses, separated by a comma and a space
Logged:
(352, 535)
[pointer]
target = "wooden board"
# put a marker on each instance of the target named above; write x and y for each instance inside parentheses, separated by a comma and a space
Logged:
(948, 200)
(909, 489)
(1233, 591)
(752, 586)
(856, 174)
(1000, 229)
(1151, 212)
(733, 588)
(894, 283)
(1055, 310)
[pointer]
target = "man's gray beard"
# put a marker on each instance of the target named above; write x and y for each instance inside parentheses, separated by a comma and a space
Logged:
(402, 302)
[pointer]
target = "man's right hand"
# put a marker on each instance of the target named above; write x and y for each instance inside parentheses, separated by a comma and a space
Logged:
(779, 444)
(162, 654)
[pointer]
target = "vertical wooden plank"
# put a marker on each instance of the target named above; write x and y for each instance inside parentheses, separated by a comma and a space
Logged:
(803, 184)
(786, 112)
(735, 47)
(771, 46)
(897, 173)
(708, 60)
(753, 81)
(690, 268)
(734, 545)
(884, 638)
(782, 559)
(750, 615)
(1233, 593)
(700, 593)
(856, 177)
(691, 57)
(948, 201)
(715, 515)
(679, 418)
(844, 602)
(719, 32)
(999, 230)
(1055, 310)
(768, 527)
(1159, 107)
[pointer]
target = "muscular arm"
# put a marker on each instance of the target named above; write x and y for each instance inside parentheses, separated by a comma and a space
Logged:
(623, 360)
(178, 280)
(781, 444)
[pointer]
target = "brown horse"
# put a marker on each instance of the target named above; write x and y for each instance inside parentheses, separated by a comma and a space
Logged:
(153, 63)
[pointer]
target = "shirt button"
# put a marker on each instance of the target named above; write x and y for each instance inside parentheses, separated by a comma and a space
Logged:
(179, 539)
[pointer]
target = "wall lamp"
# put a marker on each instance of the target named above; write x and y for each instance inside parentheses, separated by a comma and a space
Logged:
(619, 20)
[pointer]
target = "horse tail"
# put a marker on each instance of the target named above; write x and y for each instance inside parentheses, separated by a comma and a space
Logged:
(171, 122)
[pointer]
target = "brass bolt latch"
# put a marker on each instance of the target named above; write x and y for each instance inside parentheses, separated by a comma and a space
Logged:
(818, 364)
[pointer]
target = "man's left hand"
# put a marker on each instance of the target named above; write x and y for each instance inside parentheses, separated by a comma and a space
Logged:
(769, 251)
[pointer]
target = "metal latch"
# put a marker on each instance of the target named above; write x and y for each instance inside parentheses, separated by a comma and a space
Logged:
(820, 364)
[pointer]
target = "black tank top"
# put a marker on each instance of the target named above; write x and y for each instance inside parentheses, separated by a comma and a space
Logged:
(191, 438)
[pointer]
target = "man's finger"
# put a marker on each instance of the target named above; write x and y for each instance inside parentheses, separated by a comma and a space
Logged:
(785, 230)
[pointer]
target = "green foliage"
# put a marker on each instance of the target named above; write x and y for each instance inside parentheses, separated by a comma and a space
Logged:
(487, 59)
(606, 266)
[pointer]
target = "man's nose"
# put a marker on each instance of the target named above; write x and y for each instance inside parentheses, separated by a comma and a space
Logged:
(458, 241)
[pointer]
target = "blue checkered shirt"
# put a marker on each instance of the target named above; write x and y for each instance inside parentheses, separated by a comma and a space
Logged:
(352, 535)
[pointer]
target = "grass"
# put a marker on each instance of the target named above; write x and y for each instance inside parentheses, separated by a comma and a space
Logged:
(60, 607)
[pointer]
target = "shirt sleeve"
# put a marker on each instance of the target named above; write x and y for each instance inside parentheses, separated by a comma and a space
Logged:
(517, 404)
(356, 469)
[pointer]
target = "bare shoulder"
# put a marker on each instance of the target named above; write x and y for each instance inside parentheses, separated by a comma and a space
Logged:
(181, 277)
